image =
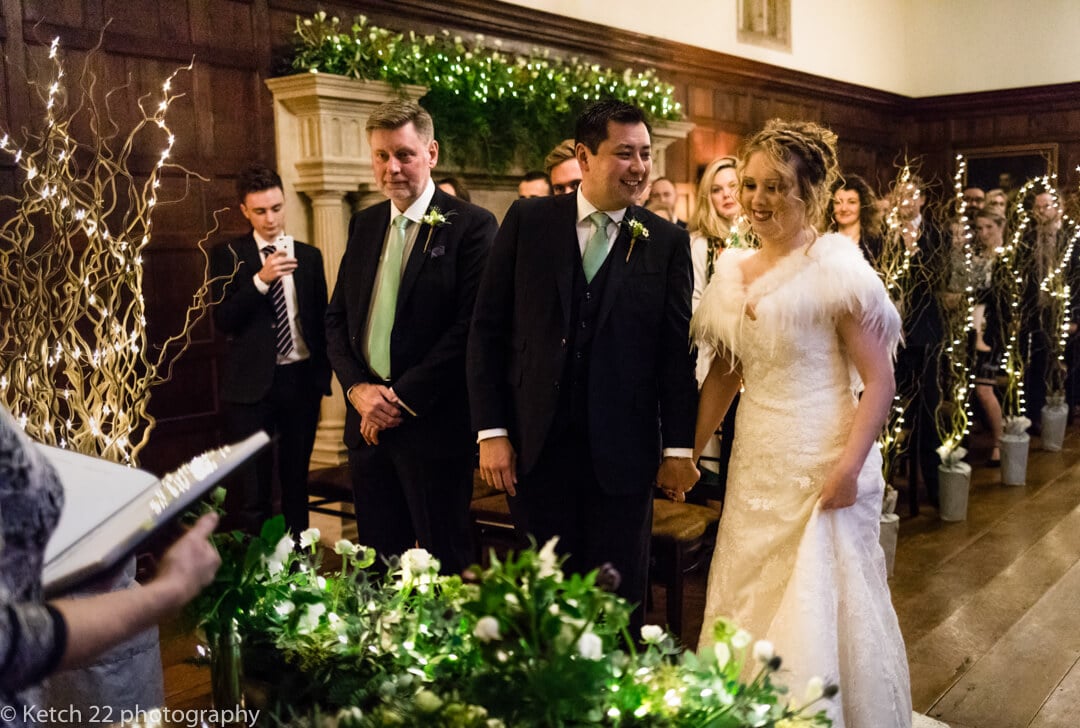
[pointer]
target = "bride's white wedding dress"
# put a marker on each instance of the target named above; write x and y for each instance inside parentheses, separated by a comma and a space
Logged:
(810, 581)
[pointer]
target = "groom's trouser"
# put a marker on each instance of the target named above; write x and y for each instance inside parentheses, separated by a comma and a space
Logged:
(561, 497)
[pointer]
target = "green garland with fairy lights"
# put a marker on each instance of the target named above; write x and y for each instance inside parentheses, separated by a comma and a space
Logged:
(492, 108)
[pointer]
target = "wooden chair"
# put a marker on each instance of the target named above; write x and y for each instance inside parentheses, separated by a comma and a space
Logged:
(493, 528)
(327, 486)
(683, 535)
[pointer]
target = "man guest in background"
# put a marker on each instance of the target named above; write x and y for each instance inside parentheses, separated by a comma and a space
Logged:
(562, 168)
(275, 371)
(534, 184)
(662, 200)
(580, 370)
(397, 324)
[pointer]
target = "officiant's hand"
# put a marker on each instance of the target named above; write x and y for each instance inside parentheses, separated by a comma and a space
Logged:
(676, 477)
(840, 489)
(188, 566)
(498, 464)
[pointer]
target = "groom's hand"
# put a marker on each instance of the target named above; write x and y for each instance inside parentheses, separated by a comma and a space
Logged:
(676, 476)
(498, 464)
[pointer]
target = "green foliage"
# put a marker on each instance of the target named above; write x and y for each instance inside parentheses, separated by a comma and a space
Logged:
(517, 644)
(491, 108)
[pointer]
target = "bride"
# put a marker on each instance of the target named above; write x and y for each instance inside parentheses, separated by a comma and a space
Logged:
(803, 324)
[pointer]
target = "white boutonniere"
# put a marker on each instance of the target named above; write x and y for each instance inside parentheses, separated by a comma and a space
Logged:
(433, 219)
(637, 230)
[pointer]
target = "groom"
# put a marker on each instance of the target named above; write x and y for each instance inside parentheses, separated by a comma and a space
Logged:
(579, 362)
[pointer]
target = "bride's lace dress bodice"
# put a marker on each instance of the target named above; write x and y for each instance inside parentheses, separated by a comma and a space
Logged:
(811, 581)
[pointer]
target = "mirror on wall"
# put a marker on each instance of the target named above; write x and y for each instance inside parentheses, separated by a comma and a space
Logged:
(1009, 167)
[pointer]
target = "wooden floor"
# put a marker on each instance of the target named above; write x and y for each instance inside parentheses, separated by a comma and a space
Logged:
(989, 607)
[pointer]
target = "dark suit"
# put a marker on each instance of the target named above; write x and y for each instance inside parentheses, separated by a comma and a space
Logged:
(256, 393)
(918, 363)
(415, 485)
(1037, 322)
(590, 381)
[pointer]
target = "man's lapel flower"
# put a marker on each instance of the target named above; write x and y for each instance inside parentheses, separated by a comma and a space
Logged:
(433, 219)
(637, 230)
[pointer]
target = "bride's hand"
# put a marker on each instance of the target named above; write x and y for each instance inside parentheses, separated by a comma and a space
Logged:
(840, 489)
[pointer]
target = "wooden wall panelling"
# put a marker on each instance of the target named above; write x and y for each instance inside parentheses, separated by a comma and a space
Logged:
(228, 118)
(72, 13)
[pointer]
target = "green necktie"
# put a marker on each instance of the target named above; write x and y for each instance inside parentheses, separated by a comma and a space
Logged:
(385, 303)
(596, 249)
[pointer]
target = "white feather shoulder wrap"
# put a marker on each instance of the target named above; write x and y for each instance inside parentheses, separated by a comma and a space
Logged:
(828, 280)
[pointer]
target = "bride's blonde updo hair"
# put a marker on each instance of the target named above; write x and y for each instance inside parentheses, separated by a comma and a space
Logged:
(805, 150)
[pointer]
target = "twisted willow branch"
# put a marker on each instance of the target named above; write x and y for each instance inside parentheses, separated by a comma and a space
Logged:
(953, 416)
(76, 367)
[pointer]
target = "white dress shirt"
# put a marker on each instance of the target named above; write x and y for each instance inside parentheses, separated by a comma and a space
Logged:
(300, 350)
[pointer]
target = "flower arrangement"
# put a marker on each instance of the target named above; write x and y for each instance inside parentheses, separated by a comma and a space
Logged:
(518, 644)
(491, 107)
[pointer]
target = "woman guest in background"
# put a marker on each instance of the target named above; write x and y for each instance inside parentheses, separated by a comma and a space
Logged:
(979, 275)
(454, 186)
(803, 323)
(712, 229)
(852, 212)
(997, 201)
(37, 638)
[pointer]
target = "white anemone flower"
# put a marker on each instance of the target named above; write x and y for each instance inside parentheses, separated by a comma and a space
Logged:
(651, 634)
(345, 547)
(723, 654)
(487, 629)
(815, 689)
(310, 620)
(309, 538)
(590, 646)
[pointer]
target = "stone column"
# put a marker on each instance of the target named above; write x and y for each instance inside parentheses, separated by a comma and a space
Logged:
(664, 134)
(330, 215)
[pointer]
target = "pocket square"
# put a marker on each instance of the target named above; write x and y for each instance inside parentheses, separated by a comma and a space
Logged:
(438, 251)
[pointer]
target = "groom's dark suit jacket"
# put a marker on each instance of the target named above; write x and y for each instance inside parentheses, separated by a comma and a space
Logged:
(431, 323)
(247, 319)
(641, 389)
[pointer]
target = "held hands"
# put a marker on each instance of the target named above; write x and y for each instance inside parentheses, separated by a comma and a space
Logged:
(378, 408)
(498, 464)
(277, 265)
(840, 489)
(676, 477)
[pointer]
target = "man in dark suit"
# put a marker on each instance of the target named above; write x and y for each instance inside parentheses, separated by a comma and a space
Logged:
(580, 366)
(918, 362)
(396, 328)
(275, 371)
(1042, 250)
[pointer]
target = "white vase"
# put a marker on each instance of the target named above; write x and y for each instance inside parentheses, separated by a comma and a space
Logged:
(890, 531)
(954, 482)
(1053, 426)
(1014, 456)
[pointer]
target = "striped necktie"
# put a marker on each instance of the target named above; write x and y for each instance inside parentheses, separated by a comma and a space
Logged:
(282, 336)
